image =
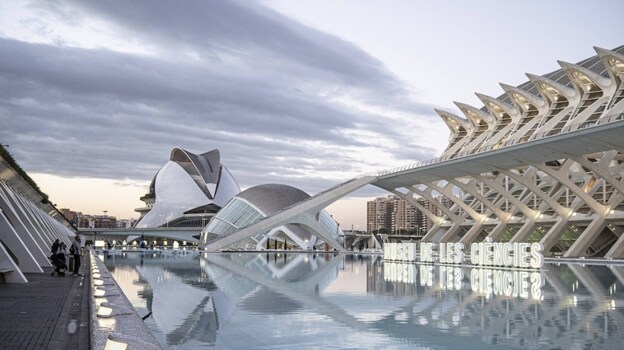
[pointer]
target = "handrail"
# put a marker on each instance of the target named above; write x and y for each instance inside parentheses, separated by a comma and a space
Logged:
(537, 136)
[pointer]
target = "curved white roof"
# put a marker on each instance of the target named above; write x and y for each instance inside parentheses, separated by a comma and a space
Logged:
(186, 182)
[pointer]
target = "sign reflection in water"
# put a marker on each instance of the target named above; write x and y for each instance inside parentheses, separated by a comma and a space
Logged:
(306, 300)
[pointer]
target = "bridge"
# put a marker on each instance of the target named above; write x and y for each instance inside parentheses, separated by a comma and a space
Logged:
(188, 234)
(570, 142)
(543, 162)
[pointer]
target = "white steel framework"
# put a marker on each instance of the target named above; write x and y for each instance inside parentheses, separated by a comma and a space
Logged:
(28, 227)
(542, 163)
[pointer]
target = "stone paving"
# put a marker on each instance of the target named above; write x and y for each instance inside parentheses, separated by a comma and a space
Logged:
(45, 313)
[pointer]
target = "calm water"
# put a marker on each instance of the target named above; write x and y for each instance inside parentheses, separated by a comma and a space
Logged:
(306, 301)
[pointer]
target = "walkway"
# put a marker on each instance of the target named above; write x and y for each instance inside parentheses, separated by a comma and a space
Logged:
(45, 313)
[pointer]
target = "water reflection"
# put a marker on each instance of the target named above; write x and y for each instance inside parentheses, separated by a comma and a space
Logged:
(312, 300)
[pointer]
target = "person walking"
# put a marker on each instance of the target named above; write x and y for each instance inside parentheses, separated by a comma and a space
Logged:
(75, 251)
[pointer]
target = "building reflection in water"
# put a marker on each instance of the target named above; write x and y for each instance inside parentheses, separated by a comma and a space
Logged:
(230, 300)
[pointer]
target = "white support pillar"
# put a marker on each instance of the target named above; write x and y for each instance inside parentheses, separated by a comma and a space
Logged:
(9, 269)
(450, 236)
(529, 214)
(26, 261)
(617, 250)
(524, 231)
(50, 223)
(22, 213)
(36, 250)
(527, 183)
(472, 233)
(29, 208)
(427, 194)
(586, 238)
(43, 220)
(552, 236)
(563, 179)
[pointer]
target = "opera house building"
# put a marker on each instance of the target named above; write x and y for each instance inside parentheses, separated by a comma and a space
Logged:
(187, 191)
(197, 191)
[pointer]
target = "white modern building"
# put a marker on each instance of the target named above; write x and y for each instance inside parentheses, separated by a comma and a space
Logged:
(187, 191)
(569, 201)
(542, 162)
(252, 205)
(29, 224)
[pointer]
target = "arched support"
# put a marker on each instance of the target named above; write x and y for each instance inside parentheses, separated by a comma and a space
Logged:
(527, 183)
(460, 128)
(447, 190)
(601, 168)
(503, 112)
(585, 81)
(529, 214)
(525, 101)
(503, 217)
(484, 123)
(552, 90)
(433, 233)
(562, 177)
(587, 237)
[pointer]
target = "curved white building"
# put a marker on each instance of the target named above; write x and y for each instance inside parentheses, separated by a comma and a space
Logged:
(187, 191)
(543, 162)
(569, 198)
(261, 201)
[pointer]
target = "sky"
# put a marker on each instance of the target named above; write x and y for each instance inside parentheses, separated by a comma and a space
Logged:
(308, 93)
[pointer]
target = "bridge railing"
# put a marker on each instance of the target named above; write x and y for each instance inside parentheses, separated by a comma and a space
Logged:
(538, 136)
(570, 128)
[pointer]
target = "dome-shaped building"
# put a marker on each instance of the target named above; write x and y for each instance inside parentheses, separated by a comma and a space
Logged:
(187, 191)
(258, 202)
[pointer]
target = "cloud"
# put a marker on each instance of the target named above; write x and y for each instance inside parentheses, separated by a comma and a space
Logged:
(267, 91)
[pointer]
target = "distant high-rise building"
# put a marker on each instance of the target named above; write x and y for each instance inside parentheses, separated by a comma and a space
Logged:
(95, 221)
(379, 214)
(396, 215)
(125, 223)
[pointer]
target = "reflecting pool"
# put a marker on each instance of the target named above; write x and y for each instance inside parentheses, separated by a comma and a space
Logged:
(284, 301)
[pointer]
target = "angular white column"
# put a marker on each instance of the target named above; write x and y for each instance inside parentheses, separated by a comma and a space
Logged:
(9, 269)
(22, 213)
(36, 250)
(26, 261)
(28, 208)
(586, 238)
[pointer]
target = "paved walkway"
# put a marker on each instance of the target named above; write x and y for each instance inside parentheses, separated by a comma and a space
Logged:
(46, 313)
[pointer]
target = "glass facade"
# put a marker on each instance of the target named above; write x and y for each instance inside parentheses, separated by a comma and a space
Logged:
(239, 213)
(235, 215)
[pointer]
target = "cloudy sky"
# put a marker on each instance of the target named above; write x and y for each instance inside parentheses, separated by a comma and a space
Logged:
(94, 94)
